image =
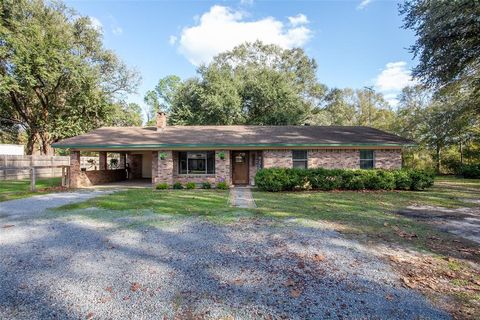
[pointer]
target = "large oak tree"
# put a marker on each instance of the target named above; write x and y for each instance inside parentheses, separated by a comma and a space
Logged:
(56, 78)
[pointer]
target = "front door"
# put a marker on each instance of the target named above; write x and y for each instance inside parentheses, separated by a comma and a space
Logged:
(240, 167)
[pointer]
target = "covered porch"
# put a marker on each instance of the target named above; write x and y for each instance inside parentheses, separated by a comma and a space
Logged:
(90, 168)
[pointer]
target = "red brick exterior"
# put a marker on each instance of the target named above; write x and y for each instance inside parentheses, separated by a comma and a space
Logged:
(165, 165)
(277, 159)
(162, 167)
(334, 159)
(388, 159)
(94, 177)
(75, 169)
(166, 171)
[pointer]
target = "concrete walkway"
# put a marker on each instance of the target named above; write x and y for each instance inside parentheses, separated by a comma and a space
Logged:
(241, 197)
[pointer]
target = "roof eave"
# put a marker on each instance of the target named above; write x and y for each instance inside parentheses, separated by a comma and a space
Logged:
(251, 145)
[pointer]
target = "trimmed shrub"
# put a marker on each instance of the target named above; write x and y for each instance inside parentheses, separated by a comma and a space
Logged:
(282, 179)
(190, 185)
(469, 171)
(177, 185)
(222, 185)
(402, 179)
(206, 185)
(421, 179)
(161, 186)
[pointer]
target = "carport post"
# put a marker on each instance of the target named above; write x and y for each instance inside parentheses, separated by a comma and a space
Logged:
(32, 179)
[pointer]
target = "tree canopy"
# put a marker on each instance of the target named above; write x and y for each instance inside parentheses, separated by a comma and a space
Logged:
(56, 78)
(447, 45)
(253, 83)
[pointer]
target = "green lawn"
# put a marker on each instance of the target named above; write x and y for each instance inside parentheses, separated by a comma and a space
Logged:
(365, 213)
(14, 189)
(209, 204)
(371, 213)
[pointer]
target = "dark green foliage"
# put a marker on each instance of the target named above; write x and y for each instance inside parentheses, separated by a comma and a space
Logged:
(177, 185)
(402, 179)
(470, 171)
(421, 179)
(161, 186)
(222, 185)
(206, 185)
(190, 185)
(282, 179)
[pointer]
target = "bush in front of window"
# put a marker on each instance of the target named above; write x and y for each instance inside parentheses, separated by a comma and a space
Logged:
(206, 185)
(222, 185)
(190, 185)
(161, 186)
(177, 185)
(292, 179)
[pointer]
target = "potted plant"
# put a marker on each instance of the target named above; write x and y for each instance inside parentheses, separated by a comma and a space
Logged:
(221, 155)
(162, 156)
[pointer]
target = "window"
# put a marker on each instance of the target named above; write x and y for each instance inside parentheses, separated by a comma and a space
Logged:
(202, 162)
(366, 159)
(300, 159)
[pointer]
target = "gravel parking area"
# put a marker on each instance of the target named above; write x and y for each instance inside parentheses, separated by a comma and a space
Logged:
(76, 268)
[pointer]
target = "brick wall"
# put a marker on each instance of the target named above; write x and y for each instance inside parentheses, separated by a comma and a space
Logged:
(223, 170)
(75, 169)
(91, 178)
(167, 170)
(334, 159)
(388, 159)
(162, 169)
(277, 158)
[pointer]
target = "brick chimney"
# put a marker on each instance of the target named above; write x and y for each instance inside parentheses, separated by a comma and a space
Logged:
(161, 120)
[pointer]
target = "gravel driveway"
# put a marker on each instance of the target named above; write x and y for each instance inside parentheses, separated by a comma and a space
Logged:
(74, 267)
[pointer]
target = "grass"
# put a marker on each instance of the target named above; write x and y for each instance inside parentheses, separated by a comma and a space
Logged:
(210, 204)
(370, 213)
(15, 189)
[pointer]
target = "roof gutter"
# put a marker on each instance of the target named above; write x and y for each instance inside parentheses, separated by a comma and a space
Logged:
(254, 145)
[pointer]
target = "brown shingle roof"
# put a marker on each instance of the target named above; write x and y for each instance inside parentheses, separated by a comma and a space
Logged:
(212, 136)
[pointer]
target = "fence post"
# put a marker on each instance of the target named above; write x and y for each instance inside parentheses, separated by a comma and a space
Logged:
(32, 179)
(5, 162)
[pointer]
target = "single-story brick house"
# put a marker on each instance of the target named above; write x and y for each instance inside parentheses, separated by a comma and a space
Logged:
(227, 153)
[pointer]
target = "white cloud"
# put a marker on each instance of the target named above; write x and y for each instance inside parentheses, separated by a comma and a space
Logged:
(299, 19)
(172, 40)
(222, 29)
(395, 76)
(363, 4)
(392, 79)
(116, 30)
(96, 23)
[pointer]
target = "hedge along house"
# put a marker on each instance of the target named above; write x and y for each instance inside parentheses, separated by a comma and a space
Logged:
(169, 154)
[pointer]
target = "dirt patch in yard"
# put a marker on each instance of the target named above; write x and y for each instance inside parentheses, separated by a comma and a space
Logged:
(463, 222)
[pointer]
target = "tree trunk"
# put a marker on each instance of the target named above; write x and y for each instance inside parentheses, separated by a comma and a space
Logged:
(438, 158)
(32, 144)
(46, 144)
(461, 152)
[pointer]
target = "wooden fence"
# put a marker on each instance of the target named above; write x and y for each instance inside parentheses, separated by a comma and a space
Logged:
(17, 167)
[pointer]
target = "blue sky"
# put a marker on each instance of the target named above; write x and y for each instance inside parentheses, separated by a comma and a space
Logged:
(355, 43)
